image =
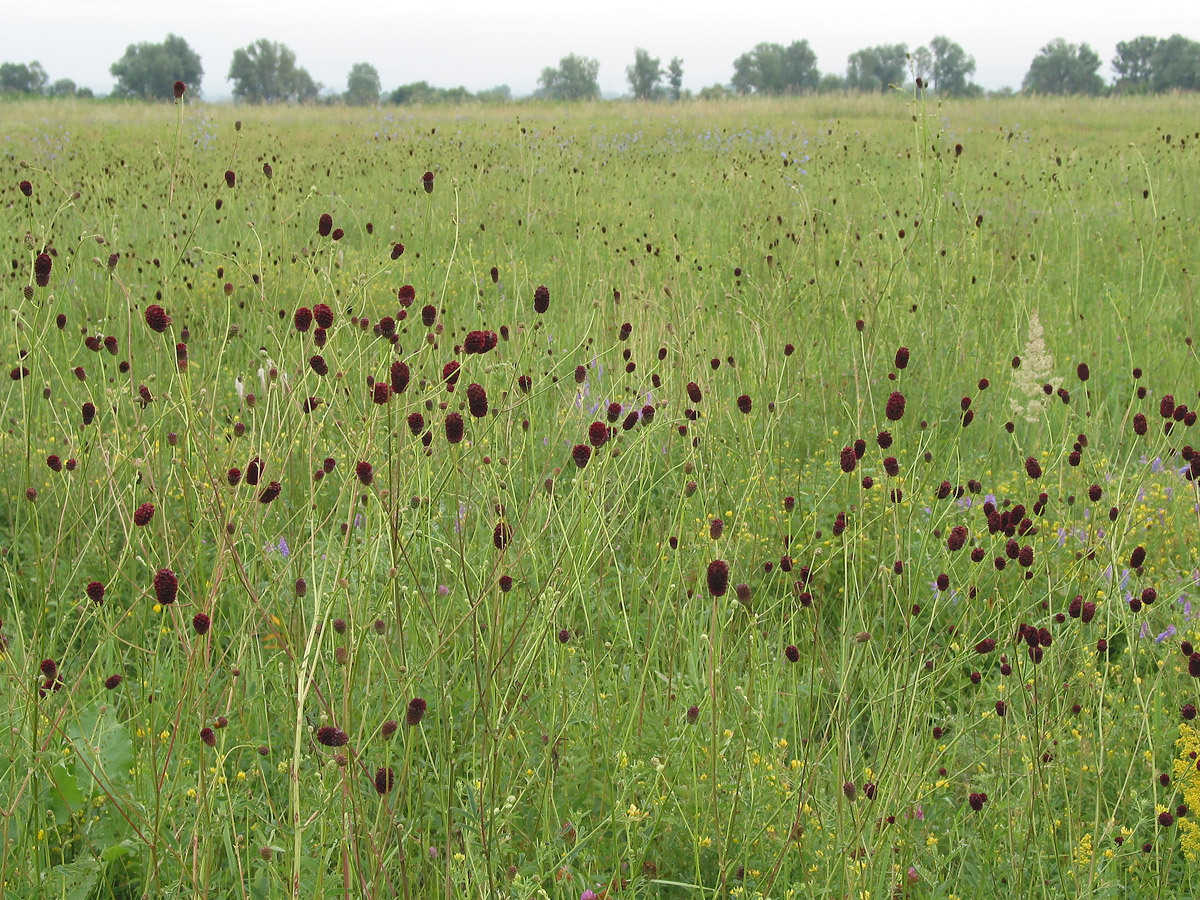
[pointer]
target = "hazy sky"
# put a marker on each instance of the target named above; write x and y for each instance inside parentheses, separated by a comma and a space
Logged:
(483, 44)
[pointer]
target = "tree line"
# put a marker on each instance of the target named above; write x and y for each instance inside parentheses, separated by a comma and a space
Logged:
(267, 72)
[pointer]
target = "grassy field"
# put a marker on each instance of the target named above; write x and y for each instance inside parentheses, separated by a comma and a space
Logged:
(776, 499)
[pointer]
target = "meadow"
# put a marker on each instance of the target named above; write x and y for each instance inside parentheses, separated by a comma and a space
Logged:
(753, 499)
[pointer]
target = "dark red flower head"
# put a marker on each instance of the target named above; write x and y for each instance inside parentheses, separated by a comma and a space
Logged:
(895, 407)
(95, 591)
(201, 623)
(166, 586)
(454, 428)
(157, 318)
(415, 712)
(480, 341)
(325, 225)
(381, 392)
(406, 295)
(230, 177)
(598, 434)
(143, 514)
(88, 410)
(328, 736)
(399, 376)
(208, 737)
(365, 472)
(581, 453)
(450, 373)
(26, 188)
(502, 535)
(179, 89)
(427, 182)
(397, 250)
(1032, 467)
(693, 392)
(384, 780)
(977, 801)
(718, 577)
(41, 269)
(270, 492)
(848, 459)
(324, 315)
(902, 358)
(541, 300)
(303, 318)
(477, 401)
(745, 404)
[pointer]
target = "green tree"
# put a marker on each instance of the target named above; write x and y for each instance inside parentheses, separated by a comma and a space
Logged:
(64, 87)
(22, 78)
(574, 79)
(922, 65)
(1062, 68)
(675, 78)
(149, 71)
(362, 85)
(875, 68)
(266, 72)
(1176, 64)
(1134, 64)
(776, 69)
(501, 93)
(952, 68)
(644, 75)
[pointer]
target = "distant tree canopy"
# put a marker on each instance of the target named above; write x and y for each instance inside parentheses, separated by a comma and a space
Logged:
(776, 69)
(424, 92)
(645, 75)
(149, 71)
(22, 78)
(952, 68)
(574, 79)
(362, 85)
(1148, 64)
(675, 78)
(875, 68)
(1062, 68)
(266, 72)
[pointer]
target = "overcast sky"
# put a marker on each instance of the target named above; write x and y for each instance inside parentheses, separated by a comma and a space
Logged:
(482, 44)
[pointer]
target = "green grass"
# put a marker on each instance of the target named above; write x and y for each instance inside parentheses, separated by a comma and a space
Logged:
(818, 729)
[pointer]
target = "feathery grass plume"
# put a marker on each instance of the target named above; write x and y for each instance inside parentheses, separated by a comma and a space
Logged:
(323, 315)
(894, 409)
(718, 577)
(166, 586)
(581, 453)
(325, 225)
(454, 428)
(1032, 370)
(143, 514)
(477, 401)
(156, 318)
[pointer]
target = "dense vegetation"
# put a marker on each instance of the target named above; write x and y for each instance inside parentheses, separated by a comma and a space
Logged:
(779, 498)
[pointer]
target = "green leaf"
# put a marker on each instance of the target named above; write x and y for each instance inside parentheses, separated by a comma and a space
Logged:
(74, 881)
(103, 750)
(65, 795)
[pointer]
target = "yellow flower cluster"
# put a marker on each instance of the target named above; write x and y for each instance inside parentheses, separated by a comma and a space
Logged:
(1188, 779)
